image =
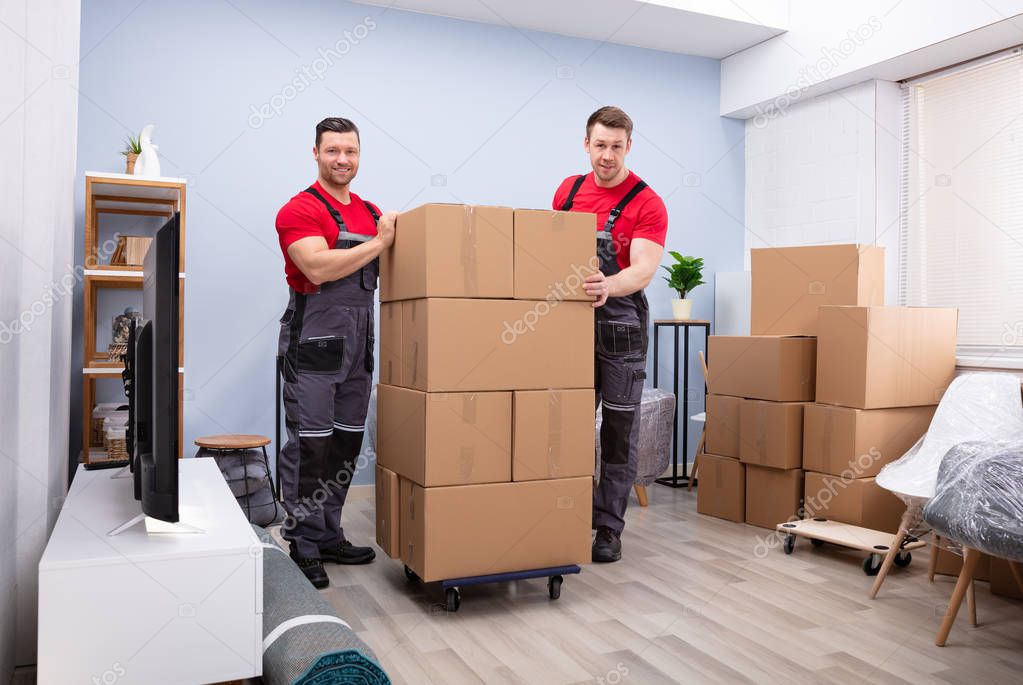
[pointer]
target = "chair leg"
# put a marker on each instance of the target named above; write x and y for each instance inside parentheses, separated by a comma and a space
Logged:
(641, 494)
(972, 556)
(696, 460)
(971, 602)
(889, 559)
(932, 566)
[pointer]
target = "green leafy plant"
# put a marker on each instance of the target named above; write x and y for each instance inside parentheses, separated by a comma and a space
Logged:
(685, 274)
(132, 146)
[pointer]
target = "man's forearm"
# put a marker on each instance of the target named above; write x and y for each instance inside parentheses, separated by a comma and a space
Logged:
(332, 265)
(628, 281)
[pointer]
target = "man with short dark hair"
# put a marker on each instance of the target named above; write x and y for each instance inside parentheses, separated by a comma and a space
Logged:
(631, 226)
(331, 239)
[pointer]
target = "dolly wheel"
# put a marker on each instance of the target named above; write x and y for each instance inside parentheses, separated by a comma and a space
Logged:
(554, 586)
(903, 559)
(410, 574)
(872, 564)
(790, 543)
(452, 599)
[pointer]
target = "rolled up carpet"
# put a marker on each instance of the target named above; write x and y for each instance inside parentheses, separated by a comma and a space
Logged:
(305, 642)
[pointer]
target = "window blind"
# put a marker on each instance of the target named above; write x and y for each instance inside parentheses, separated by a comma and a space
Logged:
(962, 203)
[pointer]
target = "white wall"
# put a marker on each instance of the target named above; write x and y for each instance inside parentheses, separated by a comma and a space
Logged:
(831, 45)
(38, 114)
(826, 171)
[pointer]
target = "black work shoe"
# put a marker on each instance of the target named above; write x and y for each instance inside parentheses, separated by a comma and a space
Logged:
(607, 546)
(347, 553)
(313, 570)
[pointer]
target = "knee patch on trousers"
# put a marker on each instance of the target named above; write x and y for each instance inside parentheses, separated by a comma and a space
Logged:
(615, 429)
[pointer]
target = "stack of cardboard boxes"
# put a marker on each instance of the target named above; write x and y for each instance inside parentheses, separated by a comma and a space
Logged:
(830, 382)
(485, 407)
(763, 427)
(881, 372)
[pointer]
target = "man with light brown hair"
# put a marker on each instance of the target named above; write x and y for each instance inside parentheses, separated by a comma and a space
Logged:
(631, 226)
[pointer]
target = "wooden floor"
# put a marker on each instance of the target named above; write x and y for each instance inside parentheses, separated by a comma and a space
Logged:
(694, 599)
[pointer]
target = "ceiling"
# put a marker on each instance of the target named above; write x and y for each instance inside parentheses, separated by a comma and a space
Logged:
(707, 28)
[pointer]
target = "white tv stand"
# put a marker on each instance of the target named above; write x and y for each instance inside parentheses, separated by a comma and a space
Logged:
(146, 607)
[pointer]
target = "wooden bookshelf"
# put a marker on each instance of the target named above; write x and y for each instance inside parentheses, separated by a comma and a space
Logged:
(121, 194)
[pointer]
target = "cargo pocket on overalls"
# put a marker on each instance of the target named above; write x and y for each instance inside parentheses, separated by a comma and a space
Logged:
(633, 379)
(320, 355)
(620, 339)
(370, 344)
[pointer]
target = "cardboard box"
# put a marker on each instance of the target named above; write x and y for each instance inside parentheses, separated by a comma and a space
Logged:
(773, 496)
(1002, 580)
(723, 425)
(387, 511)
(875, 357)
(790, 283)
(950, 564)
(445, 250)
(722, 490)
(473, 530)
(859, 442)
(552, 434)
(390, 343)
(771, 433)
(554, 253)
(444, 438)
(460, 344)
(762, 367)
(860, 501)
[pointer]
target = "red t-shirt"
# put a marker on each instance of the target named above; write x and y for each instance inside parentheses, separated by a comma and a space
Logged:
(305, 216)
(644, 217)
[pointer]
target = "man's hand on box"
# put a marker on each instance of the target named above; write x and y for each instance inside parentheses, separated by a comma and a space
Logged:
(597, 286)
(385, 228)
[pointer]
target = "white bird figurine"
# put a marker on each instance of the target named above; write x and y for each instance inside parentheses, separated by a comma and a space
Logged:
(148, 163)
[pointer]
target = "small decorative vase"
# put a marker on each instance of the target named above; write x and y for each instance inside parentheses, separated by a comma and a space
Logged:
(681, 310)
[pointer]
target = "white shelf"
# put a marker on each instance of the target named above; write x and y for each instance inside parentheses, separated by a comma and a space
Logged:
(117, 273)
(128, 192)
(131, 177)
(111, 371)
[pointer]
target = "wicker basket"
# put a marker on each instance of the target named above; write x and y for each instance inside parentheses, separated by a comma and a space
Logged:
(99, 413)
(116, 443)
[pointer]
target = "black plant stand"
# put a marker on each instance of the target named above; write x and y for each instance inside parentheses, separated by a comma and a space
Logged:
(676, 480)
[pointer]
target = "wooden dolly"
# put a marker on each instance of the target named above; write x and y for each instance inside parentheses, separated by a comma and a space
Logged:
(875, 542)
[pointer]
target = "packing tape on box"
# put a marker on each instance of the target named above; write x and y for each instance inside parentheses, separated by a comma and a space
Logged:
(469, 408)
(470, 265)
(554, 414)
(761, 440)
(466, 461)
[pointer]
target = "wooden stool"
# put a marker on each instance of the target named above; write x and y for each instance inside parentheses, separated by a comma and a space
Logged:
(224, 444)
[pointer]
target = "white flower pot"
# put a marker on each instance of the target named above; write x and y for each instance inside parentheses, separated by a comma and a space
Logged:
(682, 310)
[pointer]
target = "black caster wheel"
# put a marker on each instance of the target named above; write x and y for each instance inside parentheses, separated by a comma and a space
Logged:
(904, 559)
(554, 586)
(410, 574)
(452, 599)
(816, 543)
(790, 544)
(872, 564)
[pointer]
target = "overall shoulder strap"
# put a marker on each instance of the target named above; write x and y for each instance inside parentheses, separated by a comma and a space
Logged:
(612, 217)
(576, 185)
(372, 212)
(336, 215)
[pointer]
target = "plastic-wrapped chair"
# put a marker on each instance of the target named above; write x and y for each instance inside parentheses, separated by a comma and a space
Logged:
(976, 406)
(657, 413)
(979, 504)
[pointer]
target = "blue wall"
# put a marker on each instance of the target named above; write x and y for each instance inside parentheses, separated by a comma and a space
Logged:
(450, 111)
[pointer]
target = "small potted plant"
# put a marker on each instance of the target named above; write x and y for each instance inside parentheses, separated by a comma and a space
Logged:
(684, 275)
(132, 150)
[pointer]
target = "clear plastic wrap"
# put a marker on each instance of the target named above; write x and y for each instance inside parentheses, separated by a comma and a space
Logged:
(982, 407)
(657, 414)
(978, 500)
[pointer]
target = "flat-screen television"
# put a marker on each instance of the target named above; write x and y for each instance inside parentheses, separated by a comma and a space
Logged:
(155, 458)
